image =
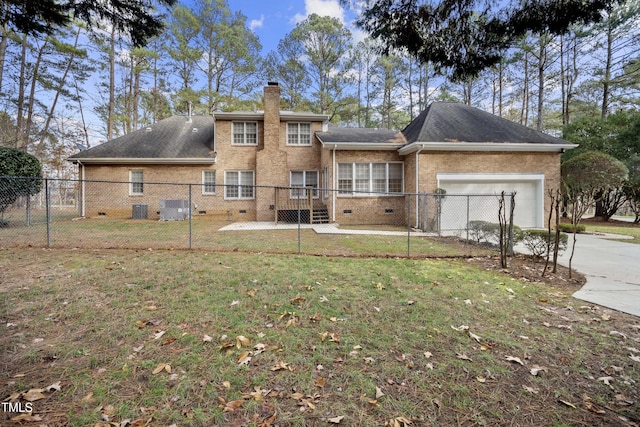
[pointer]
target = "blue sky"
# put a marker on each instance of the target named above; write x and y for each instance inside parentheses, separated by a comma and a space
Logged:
(272, 20)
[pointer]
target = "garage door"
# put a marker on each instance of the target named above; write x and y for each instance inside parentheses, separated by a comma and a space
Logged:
(529, 201)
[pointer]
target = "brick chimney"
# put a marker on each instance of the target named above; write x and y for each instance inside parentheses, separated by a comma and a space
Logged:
(271, 115)
(271, 161)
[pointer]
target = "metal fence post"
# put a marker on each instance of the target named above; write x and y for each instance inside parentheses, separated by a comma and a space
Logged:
(28, 213)
(409, 226)
(47, 204)
(439, 212)
(299, 221)
(512, 207)
(467, 225)
(190, 218)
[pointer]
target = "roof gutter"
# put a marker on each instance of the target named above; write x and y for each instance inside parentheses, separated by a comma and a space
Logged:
(485, 146)
(142, 160)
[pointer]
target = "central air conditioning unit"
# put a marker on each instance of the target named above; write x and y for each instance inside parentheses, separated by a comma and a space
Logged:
(174, 210)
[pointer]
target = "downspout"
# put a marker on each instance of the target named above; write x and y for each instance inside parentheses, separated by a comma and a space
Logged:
(335, 185)
(417, 184)
(82, 211)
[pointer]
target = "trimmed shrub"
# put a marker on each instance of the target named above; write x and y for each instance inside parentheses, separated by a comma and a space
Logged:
(566, 227)
(536, 241)
(489, 232)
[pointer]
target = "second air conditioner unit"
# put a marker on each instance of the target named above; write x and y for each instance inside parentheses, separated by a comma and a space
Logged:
(174, 210)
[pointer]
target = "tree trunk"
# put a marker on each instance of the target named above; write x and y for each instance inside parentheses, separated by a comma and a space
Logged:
(112, 76)
(3, 50)
(604, 110)
(563, 83)
(61, 85)
(500, 88)
(541, 66)
(524, 111)
(32, 92)
(20, 142)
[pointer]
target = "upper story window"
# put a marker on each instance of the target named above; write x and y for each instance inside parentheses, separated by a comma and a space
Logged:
(245, 133)
(299, 133)
(136, 182)
(370, 178)
(208, 182)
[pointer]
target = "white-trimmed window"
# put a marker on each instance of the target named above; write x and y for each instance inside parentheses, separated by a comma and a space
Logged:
(303, 180)
(136, 182)
(208, 182)
(345, 178)
(370, 178)
(299, 133)
(239, 185)
(245, 133)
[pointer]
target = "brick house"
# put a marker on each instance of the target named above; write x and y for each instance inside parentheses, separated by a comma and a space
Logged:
(250, 165)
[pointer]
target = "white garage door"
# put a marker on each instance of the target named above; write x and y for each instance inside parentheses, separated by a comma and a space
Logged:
(529, 201)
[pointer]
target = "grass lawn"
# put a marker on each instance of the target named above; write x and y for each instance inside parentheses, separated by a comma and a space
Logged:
(615, 227)
(206, 234)
(196, 338)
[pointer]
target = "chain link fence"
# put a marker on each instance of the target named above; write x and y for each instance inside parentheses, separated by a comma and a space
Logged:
(136, 215)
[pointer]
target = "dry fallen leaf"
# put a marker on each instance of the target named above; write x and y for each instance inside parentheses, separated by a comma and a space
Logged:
(207, 338)
(33, 395)
(319, 382)
(379, 393)
(241, 341)
(27, 418)
(399, 422)
(463, 357)
(588, 403)
(536, 369)
(530, 389)
(162, 367)
(232, 405)
(335, 420)
(244, 358)
(569, 404)
(622, 400)
(606, 380)
(515, 360)
(281, 366)
(55, 386)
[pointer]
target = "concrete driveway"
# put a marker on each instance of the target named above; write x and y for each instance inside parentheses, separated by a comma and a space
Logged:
(612, 269)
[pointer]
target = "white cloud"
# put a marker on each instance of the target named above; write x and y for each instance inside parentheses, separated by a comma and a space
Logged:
(256, 23)
(330, 8)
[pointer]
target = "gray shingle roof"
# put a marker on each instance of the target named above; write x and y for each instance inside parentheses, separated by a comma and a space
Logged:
(453, 122)
(361, 135)
(171, 138)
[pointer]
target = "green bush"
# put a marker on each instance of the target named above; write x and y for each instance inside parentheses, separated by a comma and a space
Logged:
(566, 227)
(16, 163)
(489, 232)
(537, 241)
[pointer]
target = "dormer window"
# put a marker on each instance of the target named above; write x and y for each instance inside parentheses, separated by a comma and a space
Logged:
(299, 133)
(245, 133)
